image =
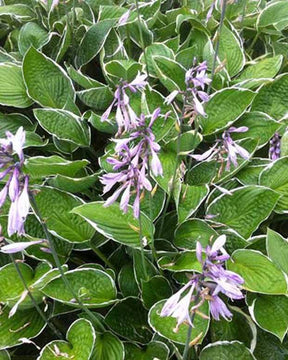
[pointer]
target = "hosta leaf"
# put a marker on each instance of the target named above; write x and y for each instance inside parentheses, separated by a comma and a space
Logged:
(19, 11)
(4, 355)
(39, 166)
(55, 207)
(31, 34)
(95, 288)
(107, 346)
(170, 73)
(271, 98)
(271, 314)
(258, 271)
(191, 231)
(266, 68)
(231, 51)
(98, 98)
(224, 107)
(260, 127)
(275, 176)
(273, 14)
(240, 328)
(268, 347)
(12, 122)
(127, 281)
(73, 185)
(81, 339)
(185, 261)
(277, 249)
(153, 350)
(245, 209)
(24, 324)
(153, 50)
(47, 82)
(64, 125)
(128, 319)
(12, 87)
(112, 223)
(190, 198)
(224, 350)
(93, 41)
(155, 289)
(165, 325)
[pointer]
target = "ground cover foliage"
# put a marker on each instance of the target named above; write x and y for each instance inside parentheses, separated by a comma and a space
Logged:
(144, 157)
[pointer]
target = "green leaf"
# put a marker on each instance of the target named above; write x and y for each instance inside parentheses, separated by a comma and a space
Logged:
(190, 198)
(4, 355)
(73, 185)
(240, 328)
(94, 287)
(226, 350)
(64, 125)
(260, 127)
(170, 73)
(81, 339)
(231, 51)
(127, 281)
(125, 70)
(24, 324)
(165, 325)
(275, 176)
(183, 261)
(271, 314)
(258, 271)
(268, 347)
(167, 158)
(128, 319)
(273, 14)
(154, 50)
(39, 166)
(271, 98)
(107, 346)
(47, 82)
(153, 350)
(31, 34)
(155, 289)
(225, 107)
(191, 231)
(19, 11)
(13, 91)
(93, 41)
(245, 209)
(266, 68)
(277, 249)
(98, 98)
(112, 223)
(12, 122)
(56, 208)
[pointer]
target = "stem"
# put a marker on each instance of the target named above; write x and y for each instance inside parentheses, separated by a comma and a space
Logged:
(253, 42)
(142, 248)
(103, 257)
(154, 253)
(224, 3)
(73, 23)
(141, 36)
(37, 307)
(92, 317)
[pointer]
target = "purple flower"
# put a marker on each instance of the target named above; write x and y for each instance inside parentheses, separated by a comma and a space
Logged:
(274, 149)
(126, 118)
(131, 164)
(213, 280)
(20, 246)
(17, 184)
(225, 146)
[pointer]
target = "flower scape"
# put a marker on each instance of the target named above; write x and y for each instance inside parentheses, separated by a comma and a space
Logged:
(143, 180)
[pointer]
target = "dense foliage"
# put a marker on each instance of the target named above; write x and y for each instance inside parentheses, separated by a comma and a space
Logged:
(144, 157)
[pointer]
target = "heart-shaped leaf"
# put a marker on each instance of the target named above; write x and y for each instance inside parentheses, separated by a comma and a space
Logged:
(226, 350)
(107, 346)
(277, 249)
(81, 339)
(153, 350)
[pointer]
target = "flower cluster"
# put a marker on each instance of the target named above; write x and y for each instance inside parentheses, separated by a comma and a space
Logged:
(274, 149)
(16, 185)
(206, 286)
(195, 79)
(131, 164)
(126, 118)
(227, 146)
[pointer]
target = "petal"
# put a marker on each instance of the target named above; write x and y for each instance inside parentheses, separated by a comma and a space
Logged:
(18, 247)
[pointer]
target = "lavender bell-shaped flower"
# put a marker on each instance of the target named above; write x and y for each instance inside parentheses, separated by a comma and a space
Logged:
(126, 117)
(213, 280)
(131, 165)
(17, 184)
